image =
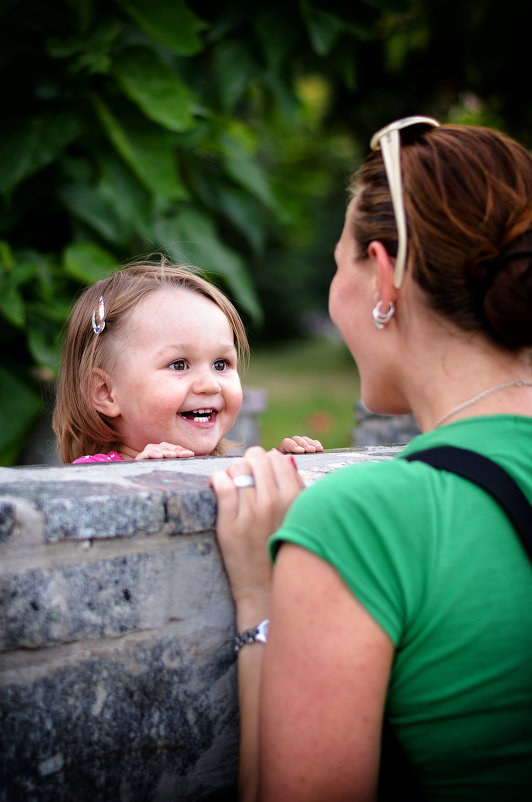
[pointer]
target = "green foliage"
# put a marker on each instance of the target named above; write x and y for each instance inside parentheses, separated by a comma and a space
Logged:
(218, 133)
(311, 386)
(131, 127)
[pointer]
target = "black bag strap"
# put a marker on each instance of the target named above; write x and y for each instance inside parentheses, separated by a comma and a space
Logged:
(490, 477)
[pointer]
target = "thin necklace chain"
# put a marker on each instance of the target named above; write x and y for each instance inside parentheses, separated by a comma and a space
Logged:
(471, 401)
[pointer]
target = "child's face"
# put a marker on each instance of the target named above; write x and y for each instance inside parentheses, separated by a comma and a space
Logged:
(175, 377)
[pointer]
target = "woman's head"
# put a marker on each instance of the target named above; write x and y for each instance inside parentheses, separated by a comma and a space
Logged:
(468, 202)
(141, 303)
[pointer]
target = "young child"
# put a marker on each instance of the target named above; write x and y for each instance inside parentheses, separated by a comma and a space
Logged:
(149, 369)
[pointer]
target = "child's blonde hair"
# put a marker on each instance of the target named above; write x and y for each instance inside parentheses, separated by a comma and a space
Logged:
(80, 429)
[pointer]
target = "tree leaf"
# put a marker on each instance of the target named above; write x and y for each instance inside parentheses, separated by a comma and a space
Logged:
(156, 88)
(20, 406)
(171, 24)
(130, 198)
(323, 27)
(55, 312)
(27, 145)
(243, 211)
(12, 305)
(87, 262)
(88, 204)
(275, 49)
(148, 150)
(247, 172)
(24, 272)
(191, 238)
(43, 348)
(234, 69)
(7, 259)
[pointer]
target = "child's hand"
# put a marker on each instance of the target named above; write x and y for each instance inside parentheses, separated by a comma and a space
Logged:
(164, 451)
(299, 445)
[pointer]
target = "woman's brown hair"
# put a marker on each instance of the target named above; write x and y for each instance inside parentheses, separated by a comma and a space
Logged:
(468, 202)
(79, 428)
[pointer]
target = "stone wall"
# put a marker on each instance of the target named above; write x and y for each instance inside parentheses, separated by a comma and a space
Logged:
(372, 429)
(117, 672)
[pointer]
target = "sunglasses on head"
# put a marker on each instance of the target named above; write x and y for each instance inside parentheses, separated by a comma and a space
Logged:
(388, 141)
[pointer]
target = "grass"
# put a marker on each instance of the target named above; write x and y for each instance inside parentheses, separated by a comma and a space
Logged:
(312, 388)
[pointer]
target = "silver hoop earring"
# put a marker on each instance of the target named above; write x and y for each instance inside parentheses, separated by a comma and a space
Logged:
(380, 318)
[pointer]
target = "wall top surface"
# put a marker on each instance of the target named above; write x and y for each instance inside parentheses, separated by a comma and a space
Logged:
(104, 500)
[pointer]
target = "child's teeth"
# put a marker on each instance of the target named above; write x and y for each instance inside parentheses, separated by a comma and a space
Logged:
(201, 415)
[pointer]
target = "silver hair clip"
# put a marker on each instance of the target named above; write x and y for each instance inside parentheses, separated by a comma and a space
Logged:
(99, 327)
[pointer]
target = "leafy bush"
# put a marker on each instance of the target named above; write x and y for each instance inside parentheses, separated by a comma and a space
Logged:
(132, 127)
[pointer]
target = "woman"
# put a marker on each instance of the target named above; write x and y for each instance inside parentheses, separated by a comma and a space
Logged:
(400, 591)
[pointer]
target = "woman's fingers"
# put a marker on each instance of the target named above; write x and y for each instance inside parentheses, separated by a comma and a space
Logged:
(253, 508)
(249, 512)
(277, 483)
(242, 533)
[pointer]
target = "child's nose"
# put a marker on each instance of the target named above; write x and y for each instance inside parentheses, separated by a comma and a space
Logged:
(205, 381)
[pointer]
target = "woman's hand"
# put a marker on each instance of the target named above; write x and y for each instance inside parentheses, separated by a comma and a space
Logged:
(164, 451)
(299, 445)
(247, 516)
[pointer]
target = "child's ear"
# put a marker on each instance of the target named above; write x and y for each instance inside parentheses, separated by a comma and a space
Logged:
(101, 394)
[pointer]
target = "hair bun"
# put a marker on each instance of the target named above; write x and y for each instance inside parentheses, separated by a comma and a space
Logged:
(507, 299)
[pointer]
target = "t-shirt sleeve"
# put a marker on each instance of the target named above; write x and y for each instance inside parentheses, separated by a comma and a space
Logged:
(364, 521)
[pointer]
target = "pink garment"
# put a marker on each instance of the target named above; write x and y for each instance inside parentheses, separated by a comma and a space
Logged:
(112, 456)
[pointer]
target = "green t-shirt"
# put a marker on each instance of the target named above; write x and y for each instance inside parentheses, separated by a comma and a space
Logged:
(439, 566)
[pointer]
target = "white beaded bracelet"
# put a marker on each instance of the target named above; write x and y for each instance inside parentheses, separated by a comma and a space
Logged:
(258, 634)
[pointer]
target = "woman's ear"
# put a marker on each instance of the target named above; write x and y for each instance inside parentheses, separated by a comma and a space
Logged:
(101, 394)
(385, 266)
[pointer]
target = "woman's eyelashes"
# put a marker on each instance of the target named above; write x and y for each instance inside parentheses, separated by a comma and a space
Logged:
(219, 364)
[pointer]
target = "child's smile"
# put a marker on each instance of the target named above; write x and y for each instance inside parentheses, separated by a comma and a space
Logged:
(200, 417)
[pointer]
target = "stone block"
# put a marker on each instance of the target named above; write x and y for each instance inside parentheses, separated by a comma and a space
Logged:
(143, 723)
(189, 503)
(7, 520)
(74, 509)
(374, 430)
(109, 597)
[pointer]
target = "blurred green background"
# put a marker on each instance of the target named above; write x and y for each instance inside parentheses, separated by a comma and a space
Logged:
(311, 385)
(221, 134)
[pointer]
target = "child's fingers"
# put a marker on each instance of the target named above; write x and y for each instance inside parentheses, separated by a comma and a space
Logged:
(184, 452)
(300, 445)
(151, 451)
(164, 451)
(290, 446)
(315, 444)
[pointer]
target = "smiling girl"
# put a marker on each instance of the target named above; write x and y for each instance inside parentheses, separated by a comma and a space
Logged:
(149, 369)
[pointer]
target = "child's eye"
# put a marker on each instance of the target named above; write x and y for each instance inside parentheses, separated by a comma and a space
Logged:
(221, 364)
(178, 364)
